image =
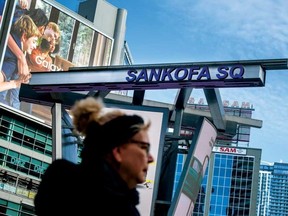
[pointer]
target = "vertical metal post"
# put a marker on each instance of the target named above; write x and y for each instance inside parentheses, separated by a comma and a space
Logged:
(6, 23)
(69, 141)
(165, 190)
(56, 131)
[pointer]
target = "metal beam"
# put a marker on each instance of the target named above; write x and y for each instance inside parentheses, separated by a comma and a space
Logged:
(56, 131)
(267, 64)
(138, 97)
(182, 98)
(101, 94)
(216, 108)
(192, 115)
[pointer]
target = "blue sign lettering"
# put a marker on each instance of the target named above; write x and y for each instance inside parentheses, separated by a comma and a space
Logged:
(223, 72)
(181, 74)
(155, 74)
(237, 75)
(204, 73)
(167, 73)
(192, 73)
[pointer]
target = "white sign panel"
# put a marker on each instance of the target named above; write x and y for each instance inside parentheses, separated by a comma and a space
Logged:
(149, 189)
(149, 77)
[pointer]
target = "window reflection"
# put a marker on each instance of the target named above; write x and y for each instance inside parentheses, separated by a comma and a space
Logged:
(66, 24)
(83, 46)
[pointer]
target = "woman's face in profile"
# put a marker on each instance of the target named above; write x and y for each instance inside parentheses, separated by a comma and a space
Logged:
(52, 37)
(30, 43)
(135, 158)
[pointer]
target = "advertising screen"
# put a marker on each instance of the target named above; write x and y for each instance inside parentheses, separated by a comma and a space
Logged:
(194, 169)
(159, 121)
(44, 37)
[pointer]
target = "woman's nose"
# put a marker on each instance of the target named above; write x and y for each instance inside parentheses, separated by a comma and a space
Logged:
(150, 158)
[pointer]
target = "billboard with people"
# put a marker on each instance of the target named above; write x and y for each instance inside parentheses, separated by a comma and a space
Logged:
(46, 37)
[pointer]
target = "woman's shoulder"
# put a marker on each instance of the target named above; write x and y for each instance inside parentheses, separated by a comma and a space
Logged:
(58, 184)
(59, 172)
(61, 165)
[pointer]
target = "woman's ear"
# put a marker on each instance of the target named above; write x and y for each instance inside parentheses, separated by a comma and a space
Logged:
(116, 152)
(23, 38)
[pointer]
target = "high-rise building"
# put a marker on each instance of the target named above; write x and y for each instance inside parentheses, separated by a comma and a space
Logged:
(25, 153)
(230, 185)
(273, 190)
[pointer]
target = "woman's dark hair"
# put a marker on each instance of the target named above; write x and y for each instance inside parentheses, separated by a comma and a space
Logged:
(103, 131)
(38, 16)
(44, 45)
(101, 139)
(57, 48)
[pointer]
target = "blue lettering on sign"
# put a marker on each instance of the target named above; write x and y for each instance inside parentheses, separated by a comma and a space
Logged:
(193, 71)
(184, 74)
(236, 72)
(167, 74)
(155, 74)
(142, 75)
(223, 74)
(131, 73)
(181, 73)
(204, 73)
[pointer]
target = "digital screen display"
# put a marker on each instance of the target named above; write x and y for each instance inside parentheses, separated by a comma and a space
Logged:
(48, 37)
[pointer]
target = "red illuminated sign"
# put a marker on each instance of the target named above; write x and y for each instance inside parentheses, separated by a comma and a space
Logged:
(229, 150)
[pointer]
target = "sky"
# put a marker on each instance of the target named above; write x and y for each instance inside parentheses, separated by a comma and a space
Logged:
(174, 31)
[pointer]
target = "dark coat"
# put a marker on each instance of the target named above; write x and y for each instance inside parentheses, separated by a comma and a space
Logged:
(69, 189)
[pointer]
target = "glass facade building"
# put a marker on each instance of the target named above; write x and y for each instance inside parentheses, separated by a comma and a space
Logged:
(230, 185)
(25, 154)
(273, 190)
